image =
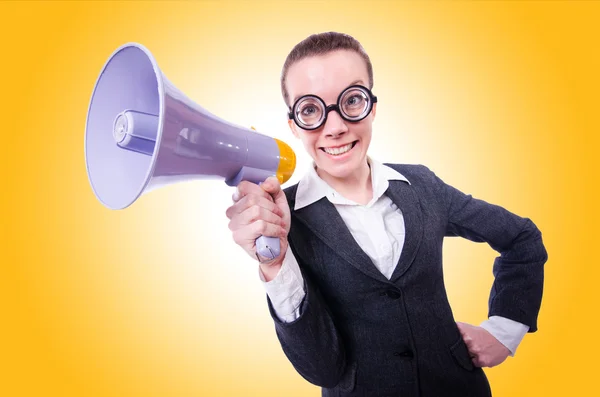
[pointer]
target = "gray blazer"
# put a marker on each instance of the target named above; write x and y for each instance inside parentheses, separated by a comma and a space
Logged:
(360, 334)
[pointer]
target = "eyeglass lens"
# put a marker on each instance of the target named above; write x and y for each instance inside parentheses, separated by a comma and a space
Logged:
(354, 104)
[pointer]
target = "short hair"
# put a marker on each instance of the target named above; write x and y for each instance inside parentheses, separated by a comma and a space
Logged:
(321, 44)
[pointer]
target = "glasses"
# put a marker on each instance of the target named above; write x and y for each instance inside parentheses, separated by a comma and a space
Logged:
(353, 104)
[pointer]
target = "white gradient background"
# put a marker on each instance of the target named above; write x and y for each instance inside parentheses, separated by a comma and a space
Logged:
(500, 99)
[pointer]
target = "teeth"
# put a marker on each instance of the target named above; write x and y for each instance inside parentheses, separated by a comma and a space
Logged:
(338, 150)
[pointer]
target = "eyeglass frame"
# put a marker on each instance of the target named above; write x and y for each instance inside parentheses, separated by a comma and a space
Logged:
(335, 106)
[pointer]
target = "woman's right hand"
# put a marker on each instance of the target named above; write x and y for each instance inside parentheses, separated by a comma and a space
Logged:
(260, 211)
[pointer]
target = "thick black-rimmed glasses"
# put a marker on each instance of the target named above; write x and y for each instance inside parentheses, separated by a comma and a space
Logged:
(353, 104)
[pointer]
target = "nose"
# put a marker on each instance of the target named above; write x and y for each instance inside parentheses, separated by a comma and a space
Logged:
(335, 125)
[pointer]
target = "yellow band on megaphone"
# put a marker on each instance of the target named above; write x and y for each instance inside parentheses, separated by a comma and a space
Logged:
(287, 162)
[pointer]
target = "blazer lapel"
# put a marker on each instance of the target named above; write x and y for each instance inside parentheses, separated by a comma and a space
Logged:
(326, 223)
(404, 196)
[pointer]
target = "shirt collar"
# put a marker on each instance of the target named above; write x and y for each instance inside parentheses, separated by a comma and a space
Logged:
(312, 188)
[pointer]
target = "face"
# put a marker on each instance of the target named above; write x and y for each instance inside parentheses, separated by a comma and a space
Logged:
(338, 147)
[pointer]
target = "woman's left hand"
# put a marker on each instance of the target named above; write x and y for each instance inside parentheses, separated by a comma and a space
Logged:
(484, 348)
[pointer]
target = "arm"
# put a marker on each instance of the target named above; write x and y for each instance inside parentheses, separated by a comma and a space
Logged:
(310, 341)
(304, 325)
(516, 293)
(286, 289)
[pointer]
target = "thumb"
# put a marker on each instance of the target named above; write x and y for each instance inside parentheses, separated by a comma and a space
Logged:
(272, 186)
(462, 328)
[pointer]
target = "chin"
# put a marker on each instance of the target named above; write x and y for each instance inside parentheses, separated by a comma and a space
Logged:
(343, 163)
(336, 172)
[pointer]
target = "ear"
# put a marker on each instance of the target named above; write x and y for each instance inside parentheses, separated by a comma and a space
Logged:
(293, 127)
(374, 110)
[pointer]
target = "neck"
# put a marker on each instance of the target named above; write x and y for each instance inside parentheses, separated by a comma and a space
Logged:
(356, 186)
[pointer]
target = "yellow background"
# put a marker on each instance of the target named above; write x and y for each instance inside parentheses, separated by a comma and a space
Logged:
(500, 99)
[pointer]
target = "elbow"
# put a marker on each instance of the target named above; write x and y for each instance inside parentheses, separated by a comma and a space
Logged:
(538, 243)
(532, 242)
(530, 231)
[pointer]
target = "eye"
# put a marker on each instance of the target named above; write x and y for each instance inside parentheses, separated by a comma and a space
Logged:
(355, 100)
(309, 110)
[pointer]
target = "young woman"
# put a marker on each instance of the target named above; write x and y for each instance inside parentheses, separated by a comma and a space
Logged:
(357, 294)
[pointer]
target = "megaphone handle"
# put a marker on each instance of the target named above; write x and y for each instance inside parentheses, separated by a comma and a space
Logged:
(268, 247)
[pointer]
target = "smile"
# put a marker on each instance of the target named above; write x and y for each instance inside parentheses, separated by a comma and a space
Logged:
(339, 150)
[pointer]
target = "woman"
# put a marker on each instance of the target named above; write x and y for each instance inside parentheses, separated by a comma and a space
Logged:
(357, 294)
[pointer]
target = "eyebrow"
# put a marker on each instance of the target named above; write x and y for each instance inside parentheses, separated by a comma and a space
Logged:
(351, 84)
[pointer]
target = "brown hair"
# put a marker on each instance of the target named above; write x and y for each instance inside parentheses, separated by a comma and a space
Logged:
(321, 44)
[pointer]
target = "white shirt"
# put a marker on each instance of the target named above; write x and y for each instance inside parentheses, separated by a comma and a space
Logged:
(378, 228)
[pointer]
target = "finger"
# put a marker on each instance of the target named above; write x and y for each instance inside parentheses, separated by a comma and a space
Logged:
(235, 197)
(263, 228)
(463, 328)
(245, 188)
(468, 341)
(253, 214)
(251, 201)
(249, 233)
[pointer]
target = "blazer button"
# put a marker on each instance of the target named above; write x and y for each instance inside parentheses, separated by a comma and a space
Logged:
(393, 294)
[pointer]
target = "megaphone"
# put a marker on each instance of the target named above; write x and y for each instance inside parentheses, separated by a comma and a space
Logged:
(142, 133)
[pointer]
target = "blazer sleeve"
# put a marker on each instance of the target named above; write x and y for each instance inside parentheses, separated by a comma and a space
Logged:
(311, 342)
(519, 270)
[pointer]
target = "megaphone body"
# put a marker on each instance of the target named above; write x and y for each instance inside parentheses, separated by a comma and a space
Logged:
(142, 133)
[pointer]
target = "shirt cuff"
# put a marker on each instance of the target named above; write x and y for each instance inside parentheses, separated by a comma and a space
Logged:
(286, 290)
(508, 332)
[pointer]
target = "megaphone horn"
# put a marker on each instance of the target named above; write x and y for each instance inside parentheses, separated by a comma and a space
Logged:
(143, 133)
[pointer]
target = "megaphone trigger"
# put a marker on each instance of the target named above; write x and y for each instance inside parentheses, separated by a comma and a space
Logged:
(142, 133)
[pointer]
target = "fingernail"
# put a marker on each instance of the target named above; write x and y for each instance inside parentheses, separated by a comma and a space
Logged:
(236, 194)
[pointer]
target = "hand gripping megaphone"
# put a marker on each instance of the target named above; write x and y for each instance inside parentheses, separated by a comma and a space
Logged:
(143, 133)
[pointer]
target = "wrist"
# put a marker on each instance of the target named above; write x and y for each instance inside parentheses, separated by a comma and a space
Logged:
(270, 271)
